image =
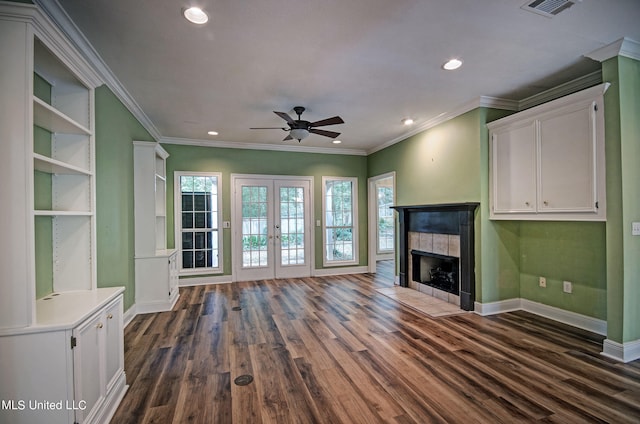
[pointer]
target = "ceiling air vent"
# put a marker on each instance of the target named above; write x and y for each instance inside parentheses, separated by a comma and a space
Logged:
(548, 8)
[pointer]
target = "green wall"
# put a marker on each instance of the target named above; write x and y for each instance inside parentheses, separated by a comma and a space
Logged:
(116, 128)
(559, 251)
(622, 106)
(42, 199)
(440, 165)
(262, 162)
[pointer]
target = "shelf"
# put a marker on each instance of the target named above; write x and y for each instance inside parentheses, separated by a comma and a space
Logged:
(61, 213)
(51, 119)
(52, 166)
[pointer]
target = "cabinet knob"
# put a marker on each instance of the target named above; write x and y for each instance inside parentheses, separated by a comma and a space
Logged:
(526, 203)
(110, 316)
(99, 325)
(546, 203)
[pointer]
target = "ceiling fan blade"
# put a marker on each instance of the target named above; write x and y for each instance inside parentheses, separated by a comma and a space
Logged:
(329, 121)
(287, 138)
(324, 133)
(284, 116)
(268, 128)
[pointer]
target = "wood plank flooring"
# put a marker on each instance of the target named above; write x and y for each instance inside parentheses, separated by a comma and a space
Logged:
(332, 350)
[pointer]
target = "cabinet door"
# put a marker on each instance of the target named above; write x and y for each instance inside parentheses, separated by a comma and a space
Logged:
(514, 169)
(114, 360)
(87, 366)
(567, 160)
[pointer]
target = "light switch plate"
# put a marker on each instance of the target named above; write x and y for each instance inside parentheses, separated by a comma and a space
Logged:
(635, 228)
(226, 224)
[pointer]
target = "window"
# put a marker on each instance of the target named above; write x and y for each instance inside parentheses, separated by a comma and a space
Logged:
(198, 213)
(339, 203)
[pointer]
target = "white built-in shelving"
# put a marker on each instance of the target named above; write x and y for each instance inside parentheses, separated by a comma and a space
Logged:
(156, 266)
(61, 336)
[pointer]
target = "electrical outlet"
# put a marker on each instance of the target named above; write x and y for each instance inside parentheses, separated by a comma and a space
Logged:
(542, 281)
(635, 228)
(567, 287)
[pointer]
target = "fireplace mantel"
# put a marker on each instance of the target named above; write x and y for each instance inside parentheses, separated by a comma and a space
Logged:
(448, 218)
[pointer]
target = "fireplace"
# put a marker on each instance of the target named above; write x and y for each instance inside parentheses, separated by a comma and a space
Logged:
(438, 236)
(438, 271)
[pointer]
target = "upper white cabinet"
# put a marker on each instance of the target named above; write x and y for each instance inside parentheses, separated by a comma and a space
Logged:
(547, 163)
(156, 272)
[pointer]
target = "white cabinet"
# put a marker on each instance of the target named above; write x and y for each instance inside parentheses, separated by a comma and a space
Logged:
(48, 278)
(98, 362)
(71, 366)
(156, 266)
(514, 168)
(157, 282)
(547, 163)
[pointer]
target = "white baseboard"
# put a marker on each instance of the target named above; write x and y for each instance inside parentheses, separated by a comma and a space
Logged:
(499, 307)
(594, 325)
(129, 315)
(623, 352)
(585, 322)
(325, 272)
(200, 281)
(156, 306)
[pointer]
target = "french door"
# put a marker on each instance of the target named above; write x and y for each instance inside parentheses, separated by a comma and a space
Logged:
(272, 228)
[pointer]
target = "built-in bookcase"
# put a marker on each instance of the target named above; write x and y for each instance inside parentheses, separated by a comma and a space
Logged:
(61, 336)
(156, 266)
(64, 186)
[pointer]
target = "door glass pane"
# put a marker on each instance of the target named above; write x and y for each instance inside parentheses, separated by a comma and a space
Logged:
(385, 219)
(254, 226)
(292, 226)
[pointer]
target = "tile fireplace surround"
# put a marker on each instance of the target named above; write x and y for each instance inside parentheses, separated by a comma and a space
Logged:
(445, 229)
(440, 244)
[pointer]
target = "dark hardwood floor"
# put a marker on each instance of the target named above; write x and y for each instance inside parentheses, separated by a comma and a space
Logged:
(332, 350)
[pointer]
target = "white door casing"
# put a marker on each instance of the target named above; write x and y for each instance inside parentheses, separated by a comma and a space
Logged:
(272, 227)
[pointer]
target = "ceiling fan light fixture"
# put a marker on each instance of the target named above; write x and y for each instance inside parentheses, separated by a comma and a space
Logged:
(299, 133)
(452, 64)
(195, 15)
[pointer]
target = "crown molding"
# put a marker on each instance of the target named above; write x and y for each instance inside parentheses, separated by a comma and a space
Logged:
(61, 19)
(562, 90)
(51, 35)
(482, 101)
(623, 47)
(260, 146)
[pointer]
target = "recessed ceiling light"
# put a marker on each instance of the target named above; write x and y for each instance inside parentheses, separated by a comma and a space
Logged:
(212, 132)
(195, 15)
(407, 121)
(452, 64)
(336, 142)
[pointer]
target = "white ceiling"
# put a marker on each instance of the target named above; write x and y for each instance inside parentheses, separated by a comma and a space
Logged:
(372, 62)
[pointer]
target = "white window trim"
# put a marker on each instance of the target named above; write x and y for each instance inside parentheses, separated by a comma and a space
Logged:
(177, 214)
(354, 206)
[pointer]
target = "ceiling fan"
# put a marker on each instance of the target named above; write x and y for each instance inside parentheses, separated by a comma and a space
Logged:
(299, 129)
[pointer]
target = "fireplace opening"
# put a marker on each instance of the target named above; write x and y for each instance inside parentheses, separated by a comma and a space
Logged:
(435, 270)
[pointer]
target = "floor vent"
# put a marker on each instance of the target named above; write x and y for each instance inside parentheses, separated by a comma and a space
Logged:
(243, 380)
(548, 8)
